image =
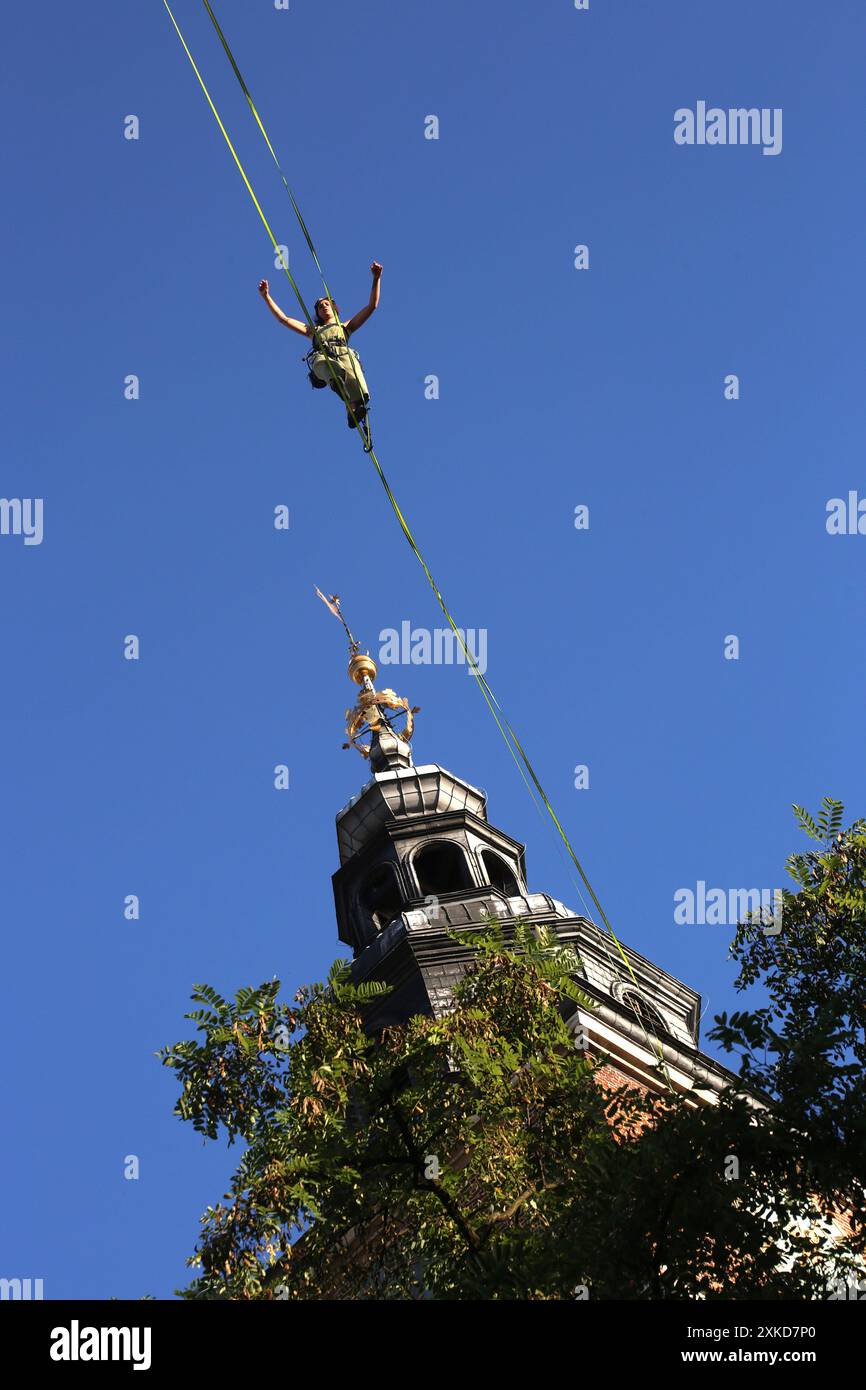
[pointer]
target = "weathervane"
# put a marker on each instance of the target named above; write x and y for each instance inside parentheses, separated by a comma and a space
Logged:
(386, 745)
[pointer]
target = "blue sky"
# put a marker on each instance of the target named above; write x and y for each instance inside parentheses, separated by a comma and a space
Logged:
(558, 387)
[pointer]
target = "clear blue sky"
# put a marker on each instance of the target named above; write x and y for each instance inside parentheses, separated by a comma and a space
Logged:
(558, 387)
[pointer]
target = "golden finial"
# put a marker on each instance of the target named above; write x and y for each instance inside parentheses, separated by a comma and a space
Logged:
(368, 719)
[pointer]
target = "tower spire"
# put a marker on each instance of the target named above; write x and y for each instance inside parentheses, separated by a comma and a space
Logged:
(386, 746)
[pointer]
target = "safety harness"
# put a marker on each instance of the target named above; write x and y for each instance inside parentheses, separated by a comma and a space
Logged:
(338, 363)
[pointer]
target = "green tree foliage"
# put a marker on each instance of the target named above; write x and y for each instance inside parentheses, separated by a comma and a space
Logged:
(478, 1156)
(805, 1048)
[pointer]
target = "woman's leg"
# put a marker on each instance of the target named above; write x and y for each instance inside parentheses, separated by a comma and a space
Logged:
(356, 382)
(320, 369)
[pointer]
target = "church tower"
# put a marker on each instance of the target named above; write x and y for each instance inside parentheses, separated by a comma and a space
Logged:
(419, 858)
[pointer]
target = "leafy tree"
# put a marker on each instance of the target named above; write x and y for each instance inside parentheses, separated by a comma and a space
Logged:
(805, 1048)
(479, 1155)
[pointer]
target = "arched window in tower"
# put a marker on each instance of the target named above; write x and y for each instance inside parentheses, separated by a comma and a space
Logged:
(442, 868)
(381, 897)
(646, 1014)
(498, 874)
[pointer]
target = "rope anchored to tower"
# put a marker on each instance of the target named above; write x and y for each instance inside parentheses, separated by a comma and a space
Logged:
(515, 747)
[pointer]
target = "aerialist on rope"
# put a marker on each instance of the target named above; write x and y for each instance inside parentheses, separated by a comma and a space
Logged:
(331, 361)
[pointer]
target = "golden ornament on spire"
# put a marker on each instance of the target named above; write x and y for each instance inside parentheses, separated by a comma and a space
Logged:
(368, 719)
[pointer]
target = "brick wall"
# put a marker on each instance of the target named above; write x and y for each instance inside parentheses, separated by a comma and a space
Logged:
(610, 1078)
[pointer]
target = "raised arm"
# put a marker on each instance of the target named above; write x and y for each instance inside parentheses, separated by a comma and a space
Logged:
(296, 325)
(369, 308)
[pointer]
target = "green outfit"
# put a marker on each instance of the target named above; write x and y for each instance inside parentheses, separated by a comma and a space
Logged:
(331, 357)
